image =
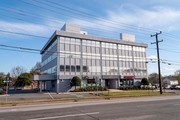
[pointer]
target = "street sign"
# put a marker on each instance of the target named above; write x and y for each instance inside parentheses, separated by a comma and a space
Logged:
(7, 81)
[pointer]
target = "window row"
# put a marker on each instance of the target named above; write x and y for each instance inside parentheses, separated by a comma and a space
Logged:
(68, 68)
(90, 43)
(70, 40)
(109, 51)
(67, 61)
(88, 49)
(91, 62)
(49, 59)
(48, 51)
(50, 70)
(70, 47)
(109, 45)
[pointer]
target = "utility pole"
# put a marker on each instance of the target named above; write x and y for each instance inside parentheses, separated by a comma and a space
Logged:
(159, 68)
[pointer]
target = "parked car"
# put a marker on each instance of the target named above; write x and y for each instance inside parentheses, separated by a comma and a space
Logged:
(2, 91)
(177, 86)
(173, 87)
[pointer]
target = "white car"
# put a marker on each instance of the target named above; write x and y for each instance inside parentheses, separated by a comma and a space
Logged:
(177, 87)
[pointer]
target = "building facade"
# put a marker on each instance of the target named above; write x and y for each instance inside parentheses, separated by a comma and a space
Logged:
(96, 60)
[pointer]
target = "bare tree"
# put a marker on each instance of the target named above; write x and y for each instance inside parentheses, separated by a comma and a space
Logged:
(16, 71)
(153, 78)
(36, 69)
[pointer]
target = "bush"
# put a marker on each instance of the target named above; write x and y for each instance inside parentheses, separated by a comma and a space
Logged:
(2, 92)
(144, 81)
(89, 88)
(76, 81)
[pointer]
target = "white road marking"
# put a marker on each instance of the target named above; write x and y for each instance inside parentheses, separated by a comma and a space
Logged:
(73, 115)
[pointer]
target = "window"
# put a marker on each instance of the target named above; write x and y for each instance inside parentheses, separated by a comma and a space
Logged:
(67, 47)
(88, 49)
(84, 61)
(84, 68)
(62, 47)
(77, 48)
(107, 51)
(77, 61)
(67, 61)
(93, 62)
(61, 67)
(114, 52)
(84, 49)
(78, 68)
(97, 50)
(93, 50)
(67, 68)
(88, 62)
(72, 68)
(72, 48)
(90, 81)
(97, 62)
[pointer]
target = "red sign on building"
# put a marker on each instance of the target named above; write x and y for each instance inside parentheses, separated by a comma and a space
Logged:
(129, 77)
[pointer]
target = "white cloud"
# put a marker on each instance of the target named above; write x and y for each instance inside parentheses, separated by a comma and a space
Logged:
(28, 28)
(163, 18)
(153, 57)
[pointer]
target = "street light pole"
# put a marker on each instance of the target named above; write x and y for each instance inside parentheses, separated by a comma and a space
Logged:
(6, 88)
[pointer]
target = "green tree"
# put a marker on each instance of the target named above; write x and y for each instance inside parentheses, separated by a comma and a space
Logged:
(144, 81)
(76, 81)
(23, 80)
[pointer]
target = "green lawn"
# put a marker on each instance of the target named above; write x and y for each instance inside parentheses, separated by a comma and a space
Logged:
(134, 93)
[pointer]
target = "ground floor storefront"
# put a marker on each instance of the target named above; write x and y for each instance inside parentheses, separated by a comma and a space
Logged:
(107, 81)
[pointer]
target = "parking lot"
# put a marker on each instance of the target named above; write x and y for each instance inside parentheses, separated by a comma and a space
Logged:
(14, 95)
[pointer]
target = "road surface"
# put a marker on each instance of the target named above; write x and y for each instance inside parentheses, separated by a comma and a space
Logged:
(142, 108)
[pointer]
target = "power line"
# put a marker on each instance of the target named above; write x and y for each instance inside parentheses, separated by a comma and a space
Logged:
(24, 34)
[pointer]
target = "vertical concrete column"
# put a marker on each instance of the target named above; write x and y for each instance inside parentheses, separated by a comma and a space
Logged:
(101, 60)
(81, 61)
(58, 86)
(118, 82)
(145, 63)
(40, 86)
(58, 65)
(133, 63)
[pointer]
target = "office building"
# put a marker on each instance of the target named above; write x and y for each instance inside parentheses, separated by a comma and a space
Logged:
(96, 60)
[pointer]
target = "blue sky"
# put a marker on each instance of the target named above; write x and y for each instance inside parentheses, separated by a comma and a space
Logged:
(98, 17)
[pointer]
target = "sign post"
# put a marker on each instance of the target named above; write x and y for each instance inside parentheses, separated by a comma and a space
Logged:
(7, 87)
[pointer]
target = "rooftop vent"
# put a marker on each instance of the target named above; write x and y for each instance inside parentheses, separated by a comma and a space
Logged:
(71, 28)
(127, 37)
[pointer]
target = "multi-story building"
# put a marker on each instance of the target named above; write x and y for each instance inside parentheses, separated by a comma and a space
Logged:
(96, 60)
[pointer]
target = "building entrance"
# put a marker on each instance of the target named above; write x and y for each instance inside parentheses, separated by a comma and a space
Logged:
(111, 83)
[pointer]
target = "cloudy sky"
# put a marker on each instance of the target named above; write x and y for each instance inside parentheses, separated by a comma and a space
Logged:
(107, 18)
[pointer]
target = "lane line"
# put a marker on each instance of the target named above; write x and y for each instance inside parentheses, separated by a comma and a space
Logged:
(82, 114)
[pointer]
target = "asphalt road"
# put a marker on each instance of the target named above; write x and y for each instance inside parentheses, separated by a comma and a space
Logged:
(142, 108)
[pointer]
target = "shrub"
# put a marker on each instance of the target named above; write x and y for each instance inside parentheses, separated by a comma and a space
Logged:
(2, 92)
(89, 88)
(76, 81)
(144, 81)
(134, 88)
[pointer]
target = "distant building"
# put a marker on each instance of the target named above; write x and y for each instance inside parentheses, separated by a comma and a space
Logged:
(168, 82)
(96, 60)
